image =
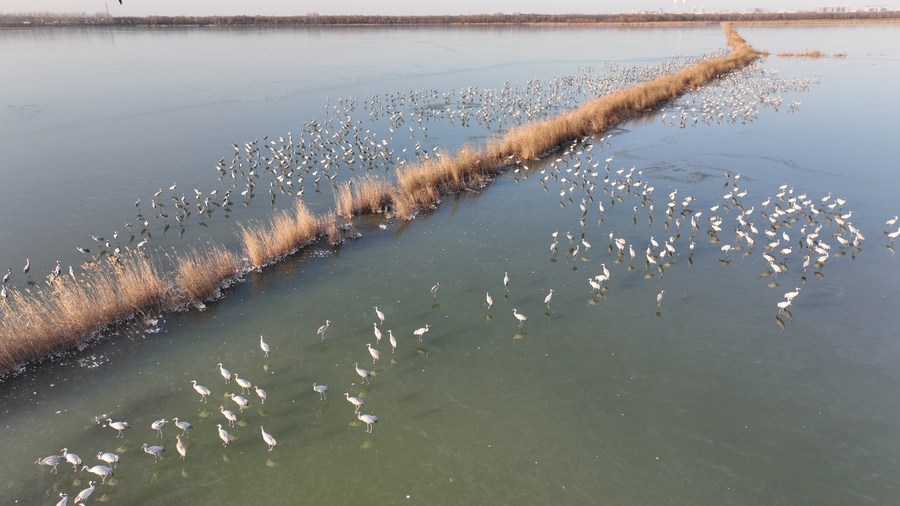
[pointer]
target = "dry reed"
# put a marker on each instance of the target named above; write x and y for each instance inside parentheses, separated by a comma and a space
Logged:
(287, 232)
(39, 321)
(200, 274)
(814, 53)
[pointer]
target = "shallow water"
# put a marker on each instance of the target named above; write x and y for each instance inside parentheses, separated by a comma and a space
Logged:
(703, 399)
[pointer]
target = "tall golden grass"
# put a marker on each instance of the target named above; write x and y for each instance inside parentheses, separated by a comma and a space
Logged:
(38, 322)
(200, 274)
(42, 320)
(287, 232)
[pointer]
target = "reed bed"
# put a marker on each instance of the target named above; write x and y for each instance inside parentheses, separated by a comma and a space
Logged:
(200, 274)
(364, 195)
(287, 232)
(813, 53)
(38, 322)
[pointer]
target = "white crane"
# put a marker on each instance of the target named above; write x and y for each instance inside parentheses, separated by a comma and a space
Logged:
(377, 332)
(379, 314)
(153, 450)
(52, 461)
(224, 372)
(324, 328)
(548, 298)
(108, 457)
(223, 435)
(264, 346)
(364, 374)
(119, 426)
(368, 419)
(356, 401)
(261, 394)
(434, 289)
(179, 445)
(245, 384)
(321, 389)
(240, 401)
(64, 499)
(506, 281)
(372, 351)
(202, 390)
(71, 458)
(421, 331)
(489, 300)
(268, 438)
(158, 426)
(519, 316)
(184, 425)
(100, 470)
(659, 298)
(229, 415)
(84, 494)
(392, 340)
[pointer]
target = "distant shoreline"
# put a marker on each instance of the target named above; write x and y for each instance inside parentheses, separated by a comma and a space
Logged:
(48, 20)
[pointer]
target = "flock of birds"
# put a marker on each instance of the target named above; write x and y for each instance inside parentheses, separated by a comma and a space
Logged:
(791, 230)
(326, 152)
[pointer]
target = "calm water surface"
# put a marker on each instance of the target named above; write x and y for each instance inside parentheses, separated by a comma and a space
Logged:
(604, 397)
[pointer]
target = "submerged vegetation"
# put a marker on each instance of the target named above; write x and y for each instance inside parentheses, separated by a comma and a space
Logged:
(40, 321)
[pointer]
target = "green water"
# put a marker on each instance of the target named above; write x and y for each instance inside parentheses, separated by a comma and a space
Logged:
(603, 398)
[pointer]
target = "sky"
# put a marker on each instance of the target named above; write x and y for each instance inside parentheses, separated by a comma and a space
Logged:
(412, 7)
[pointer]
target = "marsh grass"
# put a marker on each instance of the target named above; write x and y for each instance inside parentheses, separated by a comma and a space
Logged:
(201, 273)
(813, 53)
(286, 232)
(39, 321)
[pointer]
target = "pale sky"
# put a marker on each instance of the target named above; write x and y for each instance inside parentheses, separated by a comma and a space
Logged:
(410, 7)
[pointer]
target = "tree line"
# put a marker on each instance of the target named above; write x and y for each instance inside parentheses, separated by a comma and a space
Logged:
(102, 19)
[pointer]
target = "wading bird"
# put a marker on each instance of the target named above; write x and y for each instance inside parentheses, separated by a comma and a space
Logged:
(184, 425)
(52, 461)
(321, 389)
(229, 415)
(156, 451)
(379, 314)
(368, 419)
(268, 438)
(179, 445)
(108, 457)
(100, 470)
(71, 458)
(158, 426)
(202, 390)
(223, 435)
(84, 494)
(356, 401)
(264, 346)
(392, 340)
(224, 372)
(119, 426)
(421, 331)
(519, 316)
(324, 328)
(372, 351)
(364, 374)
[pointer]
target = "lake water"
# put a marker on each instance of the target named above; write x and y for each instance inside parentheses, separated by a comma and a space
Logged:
(712, 396)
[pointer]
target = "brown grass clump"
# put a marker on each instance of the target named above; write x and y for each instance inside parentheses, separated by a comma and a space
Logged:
(200, 274)
(368, 194)
(40, 321)
(815, 53)
(287, 232)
